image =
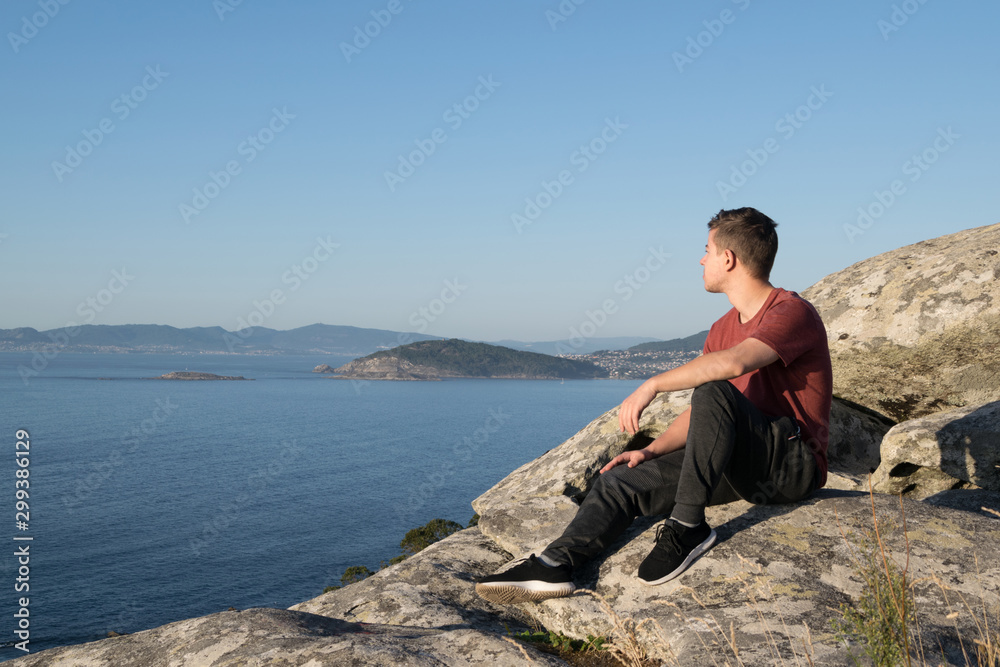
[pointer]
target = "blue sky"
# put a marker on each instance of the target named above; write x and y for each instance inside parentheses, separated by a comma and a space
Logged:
(245, 169)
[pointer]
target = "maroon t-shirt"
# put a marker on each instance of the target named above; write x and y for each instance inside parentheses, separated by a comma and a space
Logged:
(800, 383)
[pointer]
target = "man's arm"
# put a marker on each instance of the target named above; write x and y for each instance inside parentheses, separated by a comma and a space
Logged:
(670, 440)
(744, 358)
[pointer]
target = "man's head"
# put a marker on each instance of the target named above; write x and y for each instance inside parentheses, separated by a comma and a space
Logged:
(749, 235)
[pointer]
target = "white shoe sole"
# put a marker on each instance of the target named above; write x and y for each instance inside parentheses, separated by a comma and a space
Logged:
(691, 557)
(512, 592)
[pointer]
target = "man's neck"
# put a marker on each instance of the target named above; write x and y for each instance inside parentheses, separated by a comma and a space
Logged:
(749, 297)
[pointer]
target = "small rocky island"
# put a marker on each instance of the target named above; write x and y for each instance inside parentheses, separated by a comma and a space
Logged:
(195, 375)
(454, 358)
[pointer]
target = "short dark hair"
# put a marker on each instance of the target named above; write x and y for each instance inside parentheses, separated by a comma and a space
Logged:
(750, 235)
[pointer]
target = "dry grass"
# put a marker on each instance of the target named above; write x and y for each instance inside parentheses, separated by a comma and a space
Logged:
(624, 643)
(886, 615)
(985, 646)
(519, 647)
(721, 649)
(882, 619)
(885, 620)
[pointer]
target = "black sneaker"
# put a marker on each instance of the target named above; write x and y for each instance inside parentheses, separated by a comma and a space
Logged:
(676, 548)
(527, 581)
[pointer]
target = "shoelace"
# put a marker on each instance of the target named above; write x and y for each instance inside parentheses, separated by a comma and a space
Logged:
(671, 537)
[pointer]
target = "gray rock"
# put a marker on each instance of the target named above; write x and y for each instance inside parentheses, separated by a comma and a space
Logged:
(779, 574)
(948, 450)
(423, 611)
(916, 482)
(917, 330)
(855, 438)
(431, 589)
(977, 501)
(772, 584)
(280, 637)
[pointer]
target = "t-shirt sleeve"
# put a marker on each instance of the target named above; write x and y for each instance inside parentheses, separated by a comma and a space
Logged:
(789, 328)
(710, 338)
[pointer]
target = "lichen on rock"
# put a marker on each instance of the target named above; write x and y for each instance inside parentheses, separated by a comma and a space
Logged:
(916, 330)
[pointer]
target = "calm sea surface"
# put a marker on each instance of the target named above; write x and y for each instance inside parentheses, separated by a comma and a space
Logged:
(156, 501)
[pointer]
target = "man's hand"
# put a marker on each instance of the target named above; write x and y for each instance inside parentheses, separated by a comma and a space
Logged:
(632, 407)
(632, 458)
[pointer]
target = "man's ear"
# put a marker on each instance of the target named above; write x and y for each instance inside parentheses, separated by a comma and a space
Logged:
(730, 260)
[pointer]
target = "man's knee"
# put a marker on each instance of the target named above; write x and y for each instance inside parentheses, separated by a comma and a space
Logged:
(618, 486)
(718, 392)
(609, 482)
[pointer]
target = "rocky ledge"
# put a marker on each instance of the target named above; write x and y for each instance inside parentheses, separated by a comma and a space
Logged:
(767, 593)
(916, 330)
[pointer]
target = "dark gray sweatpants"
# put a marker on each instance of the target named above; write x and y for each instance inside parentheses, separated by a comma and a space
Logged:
(733, 451)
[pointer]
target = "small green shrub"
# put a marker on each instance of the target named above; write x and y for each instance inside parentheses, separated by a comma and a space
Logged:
(351, 575)
(415, 540)
(392, 561)
(880, 620)
(355, 573)
(418, 539)
(559, 641)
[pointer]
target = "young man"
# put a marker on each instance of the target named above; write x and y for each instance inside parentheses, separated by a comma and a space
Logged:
(757, 428)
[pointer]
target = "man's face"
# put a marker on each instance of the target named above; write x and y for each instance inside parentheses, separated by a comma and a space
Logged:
(714, 262)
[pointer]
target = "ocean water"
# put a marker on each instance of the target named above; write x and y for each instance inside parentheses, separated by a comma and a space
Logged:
(156, 501)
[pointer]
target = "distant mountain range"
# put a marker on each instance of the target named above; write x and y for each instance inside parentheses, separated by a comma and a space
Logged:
(577, 346)
(312, 339)
(692, 343)
(315, 338)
